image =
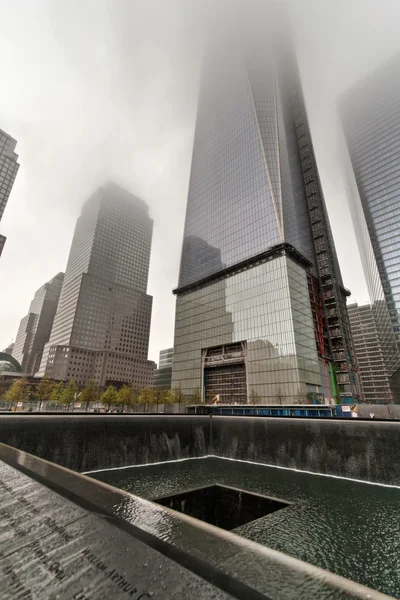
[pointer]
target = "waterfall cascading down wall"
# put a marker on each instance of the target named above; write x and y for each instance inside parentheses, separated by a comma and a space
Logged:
(85, 443)
(349, 448)
(357, 449)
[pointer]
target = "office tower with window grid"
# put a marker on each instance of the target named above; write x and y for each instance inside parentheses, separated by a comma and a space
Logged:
(102, 325)
(35, 328)
(370, 356)
(370, 114)
(261, 308)
(8, 171)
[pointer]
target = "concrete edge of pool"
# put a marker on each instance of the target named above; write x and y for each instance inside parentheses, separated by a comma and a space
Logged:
(234, 566)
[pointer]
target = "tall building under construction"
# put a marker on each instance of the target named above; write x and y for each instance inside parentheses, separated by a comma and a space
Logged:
(261, 308)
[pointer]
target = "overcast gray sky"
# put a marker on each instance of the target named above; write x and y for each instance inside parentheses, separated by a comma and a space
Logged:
(98, 90)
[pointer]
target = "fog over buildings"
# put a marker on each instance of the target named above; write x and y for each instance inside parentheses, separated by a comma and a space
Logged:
(107, 90)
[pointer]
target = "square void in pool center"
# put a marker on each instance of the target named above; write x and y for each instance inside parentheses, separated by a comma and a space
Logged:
(225, 507)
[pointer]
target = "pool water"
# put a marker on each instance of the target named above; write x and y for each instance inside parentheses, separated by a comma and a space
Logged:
(349, 528)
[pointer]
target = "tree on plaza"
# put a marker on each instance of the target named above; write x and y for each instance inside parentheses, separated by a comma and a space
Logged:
(127, 395)
(19, 391)
(147, 397)
(109, 396)
(196, 396)
(44, 390)
(179, 396)
(255, 397)
(3, 386)
(57, 392)
(136, 394)
(159, 397)
(89, 393)
(70, 392)
(169, 398)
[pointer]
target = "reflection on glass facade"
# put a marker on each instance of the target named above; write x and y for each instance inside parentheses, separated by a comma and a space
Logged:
(268, 306)
(245, 161)
(254, 191)
(371, 121)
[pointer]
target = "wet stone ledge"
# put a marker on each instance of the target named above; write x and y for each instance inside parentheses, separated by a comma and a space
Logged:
(65, 536)
(53, 548)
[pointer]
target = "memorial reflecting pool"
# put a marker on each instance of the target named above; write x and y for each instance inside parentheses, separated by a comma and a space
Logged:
(349, 528)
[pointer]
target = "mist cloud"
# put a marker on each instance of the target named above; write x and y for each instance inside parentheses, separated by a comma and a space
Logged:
(106, 90)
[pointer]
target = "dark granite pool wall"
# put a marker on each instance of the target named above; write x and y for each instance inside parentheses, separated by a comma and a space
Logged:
(368, 450)
(85, 443)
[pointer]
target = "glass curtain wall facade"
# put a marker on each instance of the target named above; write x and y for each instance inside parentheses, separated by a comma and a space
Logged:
(163, 375)
(8, 171)
(255, 197)
(102, 325)
(266, 308)
(371, 121)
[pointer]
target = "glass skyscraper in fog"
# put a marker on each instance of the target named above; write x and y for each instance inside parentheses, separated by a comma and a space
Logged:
(261, 309)
(371, 120)
(102, 325)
